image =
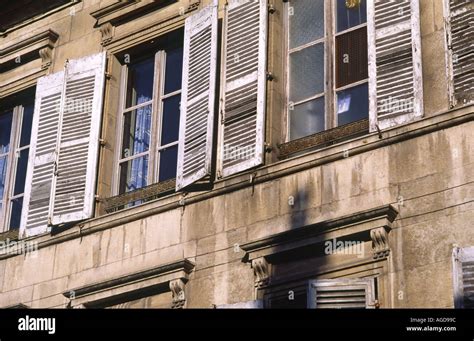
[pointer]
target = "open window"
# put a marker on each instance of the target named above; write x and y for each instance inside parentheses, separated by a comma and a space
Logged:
(15, 133)
(149, 115)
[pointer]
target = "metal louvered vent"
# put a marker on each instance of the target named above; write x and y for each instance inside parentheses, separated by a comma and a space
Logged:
(341, 293)
(244, 94)
(461, 44)
(340, 298)
(198, 97)
(468, 284)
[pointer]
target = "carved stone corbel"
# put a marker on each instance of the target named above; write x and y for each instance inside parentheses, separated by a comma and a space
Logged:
(380, 245)
(261, 270)
(107, 32)
(45, 54)
(177, 289)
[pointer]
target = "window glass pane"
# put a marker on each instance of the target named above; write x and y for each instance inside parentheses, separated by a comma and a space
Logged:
(3, 173)
(15, 215)
(306, 19)
(307, 118)
(353, 104)
(350, 13)
(170, 124)
(174, 69)
(26, 125)
(136, 131)
(168, 162)
(351, 57)
(133, 174)
(20, 176)
(307, 72)
(140, 82)
(5, 131)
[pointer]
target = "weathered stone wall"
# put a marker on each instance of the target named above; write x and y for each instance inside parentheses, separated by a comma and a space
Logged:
(427, 177)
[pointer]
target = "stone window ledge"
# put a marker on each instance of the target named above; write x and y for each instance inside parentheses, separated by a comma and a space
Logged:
(324, 138)
(168, 277)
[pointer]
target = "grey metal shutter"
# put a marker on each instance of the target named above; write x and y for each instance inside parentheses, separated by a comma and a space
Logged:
(42, 157)
(459, 20)
(78, 143)
(463, 273)
(341, 293)
(244, 86)
(395, 76)
(198, 97)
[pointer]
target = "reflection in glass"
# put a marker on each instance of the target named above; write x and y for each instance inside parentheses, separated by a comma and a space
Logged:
(20, 176)
(5, 131)
(348, 17)
(352, 104)
(133, 174)
(307, 118)
(140, 82)
(174, 67)
(26, 125)
(136, 131)
(168, 163)
(306, 21)
(306, 72)
(170, 123)
(3, 173)
(15, 215)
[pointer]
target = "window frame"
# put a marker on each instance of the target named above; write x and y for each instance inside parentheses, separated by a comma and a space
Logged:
(330, 88)
(153, 153)
(12, 164)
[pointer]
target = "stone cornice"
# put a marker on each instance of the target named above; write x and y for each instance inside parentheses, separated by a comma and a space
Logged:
(361, 224)
(170, 274)
(38, 46)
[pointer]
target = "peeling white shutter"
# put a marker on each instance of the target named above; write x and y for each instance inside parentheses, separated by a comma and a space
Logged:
(459, 20)
(78, 148)
(244, 86)
(395, 78)
(198, 97)
(463, 277)
(42, 157)
(341, 293)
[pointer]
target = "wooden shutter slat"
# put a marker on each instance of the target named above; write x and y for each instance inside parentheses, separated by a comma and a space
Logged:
(42, 157)
(459, 21)
(74, 183)
(198, 97)
(395, 79)
(244, 86)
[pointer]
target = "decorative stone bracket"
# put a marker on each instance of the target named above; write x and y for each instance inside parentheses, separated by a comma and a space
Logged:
(261, 270)
(171, 276)
(380, 245)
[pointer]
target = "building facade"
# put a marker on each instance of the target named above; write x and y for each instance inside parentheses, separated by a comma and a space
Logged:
(225, 154)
